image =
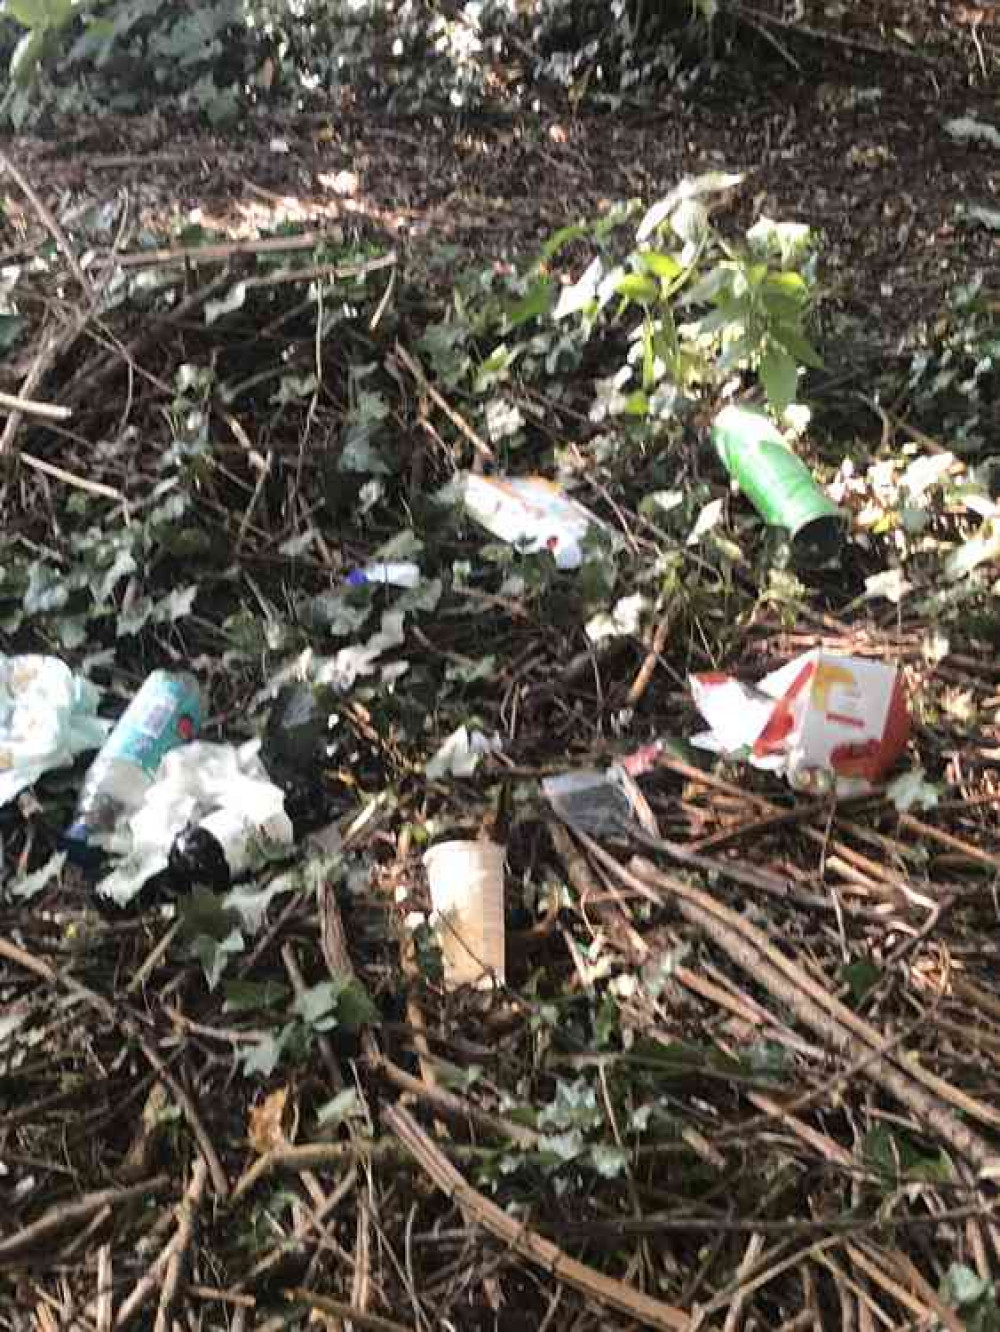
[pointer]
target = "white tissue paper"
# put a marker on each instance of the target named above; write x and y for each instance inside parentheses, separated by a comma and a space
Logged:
(194, 783)
(48, 715)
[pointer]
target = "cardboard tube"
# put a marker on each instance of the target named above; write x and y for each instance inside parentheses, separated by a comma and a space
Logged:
(466, 882)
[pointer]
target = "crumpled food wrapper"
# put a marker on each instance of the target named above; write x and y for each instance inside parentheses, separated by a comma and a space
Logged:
(825, 722)
(48, 715)
(194, 783)
(531, 513)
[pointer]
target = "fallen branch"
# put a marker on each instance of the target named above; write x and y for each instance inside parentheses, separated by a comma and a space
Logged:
(45, 411)
(612, 1294)
(62, 1216)
(897, 1071)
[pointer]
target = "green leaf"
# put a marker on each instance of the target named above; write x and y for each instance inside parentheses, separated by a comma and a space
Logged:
(537, 301)
(29, 13)
(263, 1058)
(861, 976)
(635, 287)
(355, 1007)
(962, 1286)
(345, 1105)
(779, 375)
(318, 1002)
(796, 345)
(648, 357)
(660, 265)
(608, 1161)
(11, 328)
(215, 955)
(252, 996)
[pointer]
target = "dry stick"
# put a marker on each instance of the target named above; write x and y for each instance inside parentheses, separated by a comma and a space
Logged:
(951, 841)
(302, 1157)
(898, 1072)
(455, 417)
(45, 411)
(151, 1278)
(959, 1099)
(227, 249)
(45, 357)
(749, 1260)
(876, 1274)
(51, 226)
(219, 1181)
(59, 1217)
(182, 1242)
(528, 1243)
(105, 1284)
(645, 674)
(71, 478)
(450, 1104)
(93, 375)
(767, 808)
(349, 1313)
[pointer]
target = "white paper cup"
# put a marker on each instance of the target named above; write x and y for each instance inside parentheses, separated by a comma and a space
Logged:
(466, 882)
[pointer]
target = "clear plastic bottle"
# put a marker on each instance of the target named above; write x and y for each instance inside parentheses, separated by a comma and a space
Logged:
(166, 712)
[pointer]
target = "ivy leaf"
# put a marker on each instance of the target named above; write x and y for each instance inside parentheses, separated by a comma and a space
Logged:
(636, 287)
(910, 791)
(345, 1105)
(252, 996)
(779, 374)
(214, 954)
(264, 1057)
(355, 1007)
(608, 1161)
(234, 299)
(11, 327)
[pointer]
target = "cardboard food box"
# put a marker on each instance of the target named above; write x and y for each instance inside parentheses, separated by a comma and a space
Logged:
(824, 721)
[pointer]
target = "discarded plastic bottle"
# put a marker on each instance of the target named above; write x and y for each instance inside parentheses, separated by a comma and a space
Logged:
(777, 483)
(166, 712)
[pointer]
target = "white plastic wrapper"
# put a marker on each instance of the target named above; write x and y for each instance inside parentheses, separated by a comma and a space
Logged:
(48, 715)
(225, 788)
(531, 513)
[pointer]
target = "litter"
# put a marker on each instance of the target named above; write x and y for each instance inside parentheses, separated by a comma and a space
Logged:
(48, 715)
(603, 804)
(210, 816)
(777, 483)
(165, 713)
(530, 513)
(398, 573)
(825, 722)
(467, 892)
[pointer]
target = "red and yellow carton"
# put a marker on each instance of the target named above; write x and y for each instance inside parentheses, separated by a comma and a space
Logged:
(824, 721)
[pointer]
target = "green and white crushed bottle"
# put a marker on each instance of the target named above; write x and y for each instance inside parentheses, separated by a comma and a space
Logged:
(166, 712)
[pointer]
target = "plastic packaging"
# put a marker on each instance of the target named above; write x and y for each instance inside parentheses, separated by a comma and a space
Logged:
(777, 483)
(48, 715)
(396, 573)
(826, 722)
(467, 893)
(531, 513)
(166, 712)
(603, 804)
(211, 815)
